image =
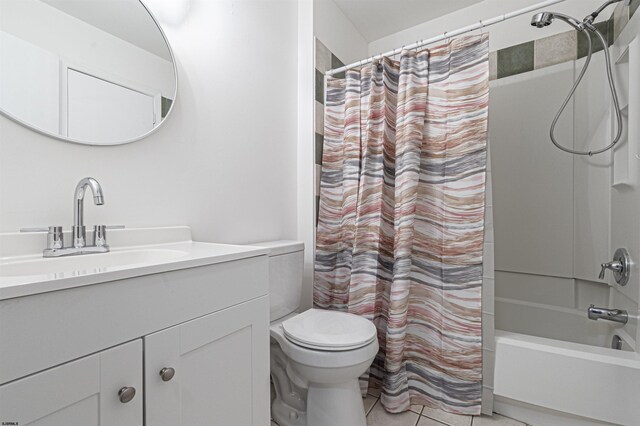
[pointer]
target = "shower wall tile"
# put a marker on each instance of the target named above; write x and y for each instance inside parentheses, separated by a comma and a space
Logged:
(318, 175)
(488, 334)
(583, 45)
(493, 65)
(323, 57)
(559, 48)
(319, 148)
(319, 87)
(337, 63)
(515, 59)
(556, 49)
(319, 118)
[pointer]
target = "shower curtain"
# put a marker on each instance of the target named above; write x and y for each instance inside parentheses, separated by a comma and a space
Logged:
(401, 218)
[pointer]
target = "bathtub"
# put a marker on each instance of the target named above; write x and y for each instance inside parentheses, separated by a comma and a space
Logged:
(555, 367)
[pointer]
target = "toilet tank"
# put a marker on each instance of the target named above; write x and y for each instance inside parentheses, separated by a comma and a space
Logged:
(286, 263)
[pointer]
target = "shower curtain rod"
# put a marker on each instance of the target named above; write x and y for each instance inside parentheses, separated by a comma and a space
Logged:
(448, 34)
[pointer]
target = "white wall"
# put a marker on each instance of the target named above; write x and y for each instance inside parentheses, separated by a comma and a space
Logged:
(306, 145)
(225, 160)
(504, 34)
(337, 32)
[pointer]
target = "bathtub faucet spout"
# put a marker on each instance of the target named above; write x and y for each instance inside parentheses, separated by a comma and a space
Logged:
(616, 315)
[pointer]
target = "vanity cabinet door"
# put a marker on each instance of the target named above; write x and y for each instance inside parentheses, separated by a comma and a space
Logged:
(83, 392)
(220, 367)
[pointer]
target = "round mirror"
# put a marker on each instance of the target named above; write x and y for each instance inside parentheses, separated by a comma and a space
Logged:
(97, 72)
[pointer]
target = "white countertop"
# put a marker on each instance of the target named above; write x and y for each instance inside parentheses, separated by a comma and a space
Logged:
(134, 253)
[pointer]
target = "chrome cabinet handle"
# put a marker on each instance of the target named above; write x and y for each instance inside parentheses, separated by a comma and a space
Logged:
(126, 394)
(167, 374)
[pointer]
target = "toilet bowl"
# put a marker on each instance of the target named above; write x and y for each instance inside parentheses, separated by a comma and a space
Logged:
(317, 356)
(316, 359)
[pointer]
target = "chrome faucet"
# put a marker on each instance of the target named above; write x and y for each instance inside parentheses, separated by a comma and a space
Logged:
(55, 236)
(615, 315)
(79, 230)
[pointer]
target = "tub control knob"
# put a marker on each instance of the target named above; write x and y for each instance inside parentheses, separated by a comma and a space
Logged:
(620, 265)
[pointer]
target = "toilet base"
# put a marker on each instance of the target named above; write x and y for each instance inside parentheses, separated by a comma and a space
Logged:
(317, 387)
(338, 404)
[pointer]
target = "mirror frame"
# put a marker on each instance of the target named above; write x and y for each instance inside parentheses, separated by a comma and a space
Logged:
(128, 141)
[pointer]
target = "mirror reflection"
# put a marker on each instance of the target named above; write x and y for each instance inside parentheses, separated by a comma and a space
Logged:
(98, 72)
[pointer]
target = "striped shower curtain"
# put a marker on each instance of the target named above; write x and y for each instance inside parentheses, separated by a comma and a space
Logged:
(401, 218)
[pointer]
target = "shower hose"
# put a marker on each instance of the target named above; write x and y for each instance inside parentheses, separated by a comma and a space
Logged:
(614, 95)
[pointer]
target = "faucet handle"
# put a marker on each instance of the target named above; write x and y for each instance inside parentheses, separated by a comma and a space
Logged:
(55, 236)
(620, 266)
(100, 235)
(39, 229)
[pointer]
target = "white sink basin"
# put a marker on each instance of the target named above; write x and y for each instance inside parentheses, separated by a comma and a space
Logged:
(134, 252)
(59, 267)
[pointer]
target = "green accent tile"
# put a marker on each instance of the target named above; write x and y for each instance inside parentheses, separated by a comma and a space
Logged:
(319, 87)
(515, 59)
(319, 147)
(606, 28)
(165, 106)
(337, 63)
(633, 7)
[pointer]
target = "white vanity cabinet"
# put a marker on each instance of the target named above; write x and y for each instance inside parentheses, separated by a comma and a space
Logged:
(220, 369)
(83, 392)
(65, 354)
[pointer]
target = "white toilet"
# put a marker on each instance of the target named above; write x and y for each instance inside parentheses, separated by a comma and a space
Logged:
(316, 356)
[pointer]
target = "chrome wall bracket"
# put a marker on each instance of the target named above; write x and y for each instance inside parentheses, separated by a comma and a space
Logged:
(620, 265)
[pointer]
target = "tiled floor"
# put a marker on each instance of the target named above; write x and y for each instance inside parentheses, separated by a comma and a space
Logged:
(423, 416)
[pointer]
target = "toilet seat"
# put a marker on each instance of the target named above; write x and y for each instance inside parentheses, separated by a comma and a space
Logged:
(324, 330)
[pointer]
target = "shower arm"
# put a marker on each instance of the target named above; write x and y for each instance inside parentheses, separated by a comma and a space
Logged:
(592, 17)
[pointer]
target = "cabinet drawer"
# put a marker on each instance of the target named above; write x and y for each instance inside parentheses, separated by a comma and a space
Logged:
(44, 330)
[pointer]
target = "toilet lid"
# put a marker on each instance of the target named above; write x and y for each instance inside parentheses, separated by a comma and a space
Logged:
(329, 330)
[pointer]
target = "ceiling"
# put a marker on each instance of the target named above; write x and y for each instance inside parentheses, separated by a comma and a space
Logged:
(126, 19)
(375, 19)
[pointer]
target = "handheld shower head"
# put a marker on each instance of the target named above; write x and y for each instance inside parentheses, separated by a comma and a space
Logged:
(542, 19)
